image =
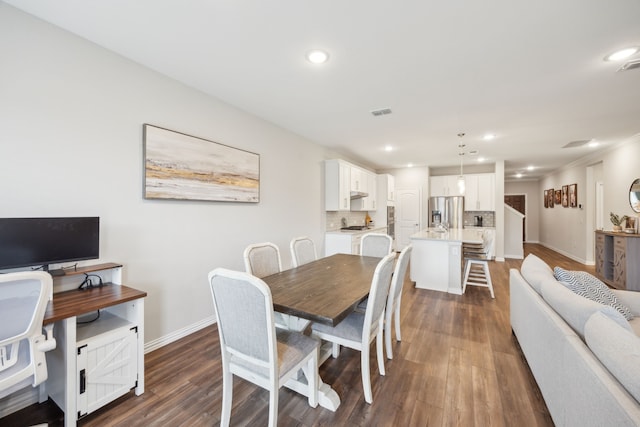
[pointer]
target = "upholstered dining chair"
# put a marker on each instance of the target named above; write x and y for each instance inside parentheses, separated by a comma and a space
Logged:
(303, 250)
(262, 259)
(392, 312)
(23, 302)
(358, 329)
(377, 245)
(251, 346)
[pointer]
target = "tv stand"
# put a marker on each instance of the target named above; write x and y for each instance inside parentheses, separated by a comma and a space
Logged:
(55, 273)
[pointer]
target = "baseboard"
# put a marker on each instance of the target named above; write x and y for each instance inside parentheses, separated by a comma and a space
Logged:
(567, 254)
(514, 256)
(176, 335)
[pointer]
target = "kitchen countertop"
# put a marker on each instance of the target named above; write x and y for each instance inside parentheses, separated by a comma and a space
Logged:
(366, 230)
(452, 235)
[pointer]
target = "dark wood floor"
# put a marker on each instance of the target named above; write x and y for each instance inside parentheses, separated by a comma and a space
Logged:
(457, 365)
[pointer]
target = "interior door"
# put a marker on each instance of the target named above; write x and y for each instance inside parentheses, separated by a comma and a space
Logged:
(408, 214)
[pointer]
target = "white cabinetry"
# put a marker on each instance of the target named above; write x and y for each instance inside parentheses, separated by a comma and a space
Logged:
(358, 179)
(369, 203)
(390, 182)
(337, 185)
(480, 192)
(343, 242)
(445, 185)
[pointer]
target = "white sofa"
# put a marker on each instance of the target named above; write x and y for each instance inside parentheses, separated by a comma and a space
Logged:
(585, 356)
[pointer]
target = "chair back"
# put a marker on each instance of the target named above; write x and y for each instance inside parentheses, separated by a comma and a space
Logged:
(23, 302)
(244, 312)
(376, 244)
(303, 251)
(262, 259)
(378, 294)
(397, 280)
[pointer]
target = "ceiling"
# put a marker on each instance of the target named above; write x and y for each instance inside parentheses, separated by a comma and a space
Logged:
(532, 73)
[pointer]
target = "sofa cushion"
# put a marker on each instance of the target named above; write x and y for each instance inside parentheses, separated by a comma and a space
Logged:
(617, 349)
(588, 286)
(535, 271)
(575, 309)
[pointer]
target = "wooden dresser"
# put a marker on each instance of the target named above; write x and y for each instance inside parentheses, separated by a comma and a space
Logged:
(618, 259)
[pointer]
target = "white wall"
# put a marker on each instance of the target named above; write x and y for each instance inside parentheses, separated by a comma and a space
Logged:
(570, 230)
(533, 197)
(71, 116)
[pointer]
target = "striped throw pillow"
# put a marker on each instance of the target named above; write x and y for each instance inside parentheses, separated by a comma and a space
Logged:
(589, 286)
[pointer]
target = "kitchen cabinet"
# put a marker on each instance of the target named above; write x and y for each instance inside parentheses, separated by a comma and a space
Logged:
(480, 192)
(337, 185)
(616, 259)
(445, 185)
(358, 179)
(346, 242)
(369, 203)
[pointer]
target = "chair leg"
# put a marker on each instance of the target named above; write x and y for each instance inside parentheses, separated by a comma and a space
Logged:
(388, 330)
(273, 405)
(335, 352)
(366, 377)
(311, 372)
(467, 270)
(227, 396)
(380, 352)
(397, 314)
(487, 275)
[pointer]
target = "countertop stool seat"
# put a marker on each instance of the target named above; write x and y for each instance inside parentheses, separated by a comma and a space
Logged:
(476, 268)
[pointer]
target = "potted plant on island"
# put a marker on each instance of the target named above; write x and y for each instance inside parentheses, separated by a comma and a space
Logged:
(617, 221)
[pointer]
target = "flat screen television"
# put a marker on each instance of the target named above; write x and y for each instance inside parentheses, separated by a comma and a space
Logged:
(39, 242)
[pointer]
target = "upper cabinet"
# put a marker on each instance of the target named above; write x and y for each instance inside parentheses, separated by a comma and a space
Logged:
(342, 178)
(446, 185)
(388, 185)
(480, 192)
(337, 188)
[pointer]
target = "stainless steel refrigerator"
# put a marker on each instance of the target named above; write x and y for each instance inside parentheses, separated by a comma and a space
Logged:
(447, 210)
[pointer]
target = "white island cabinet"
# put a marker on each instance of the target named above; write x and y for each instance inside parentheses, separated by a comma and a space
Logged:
(436, 259)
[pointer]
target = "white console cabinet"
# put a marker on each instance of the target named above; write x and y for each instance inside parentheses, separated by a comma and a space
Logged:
(100, 343)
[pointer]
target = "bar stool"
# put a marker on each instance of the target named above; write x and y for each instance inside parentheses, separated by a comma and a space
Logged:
(476, 269)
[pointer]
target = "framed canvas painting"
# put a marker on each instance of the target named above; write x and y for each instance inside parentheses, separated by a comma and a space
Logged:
(573, 195)
(565, 196)
(550, 197)
(546, 198)
(558, 197)
(178, 166)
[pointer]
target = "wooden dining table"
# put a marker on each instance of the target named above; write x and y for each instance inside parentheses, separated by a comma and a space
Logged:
(325, 291)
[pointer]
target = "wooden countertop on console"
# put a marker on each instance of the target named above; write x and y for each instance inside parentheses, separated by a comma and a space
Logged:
(617, 233)
(75, 302)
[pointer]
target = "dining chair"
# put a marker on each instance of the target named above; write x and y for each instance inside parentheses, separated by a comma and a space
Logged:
(358, 329)
(303, 250)
(377, 245)
(395, 297)
(251, 346)
(262, 259)
(23, 301)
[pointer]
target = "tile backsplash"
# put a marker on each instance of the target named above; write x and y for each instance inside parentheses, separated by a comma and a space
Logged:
(488, 218)
(334, 219)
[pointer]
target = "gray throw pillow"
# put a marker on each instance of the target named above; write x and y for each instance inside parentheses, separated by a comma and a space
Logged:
(588, 286)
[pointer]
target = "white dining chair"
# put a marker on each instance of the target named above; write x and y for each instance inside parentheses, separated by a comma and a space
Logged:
(303, 250)
(23, 302)
(358, 330)
(377, 245)
(262, 259)
(251, 346)
(392, 311)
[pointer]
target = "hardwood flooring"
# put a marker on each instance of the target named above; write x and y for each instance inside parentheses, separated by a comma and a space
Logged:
(458, 364)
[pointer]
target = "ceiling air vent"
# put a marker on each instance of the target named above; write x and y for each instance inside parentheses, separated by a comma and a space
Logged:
(630, 65)
(381, 112)
(574, 144)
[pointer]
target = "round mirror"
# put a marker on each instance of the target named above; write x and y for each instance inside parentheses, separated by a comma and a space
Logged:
(634, 195)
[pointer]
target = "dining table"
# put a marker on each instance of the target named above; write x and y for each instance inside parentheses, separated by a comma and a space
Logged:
(325, 291)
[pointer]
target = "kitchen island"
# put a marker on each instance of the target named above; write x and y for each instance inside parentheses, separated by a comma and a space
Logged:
(436, 259)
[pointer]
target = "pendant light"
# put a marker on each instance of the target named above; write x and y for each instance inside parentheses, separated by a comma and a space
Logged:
(461, 183)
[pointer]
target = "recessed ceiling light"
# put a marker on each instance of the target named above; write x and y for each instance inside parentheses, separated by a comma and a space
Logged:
(518, 175)
(317, 56)
(530, 168)
(410, 165)
(388, 148)
(481, 159)
(489, 136)
(622, 54)
(593, 144)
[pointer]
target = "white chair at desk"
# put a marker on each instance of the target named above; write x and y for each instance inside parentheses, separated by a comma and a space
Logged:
(23, 302)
